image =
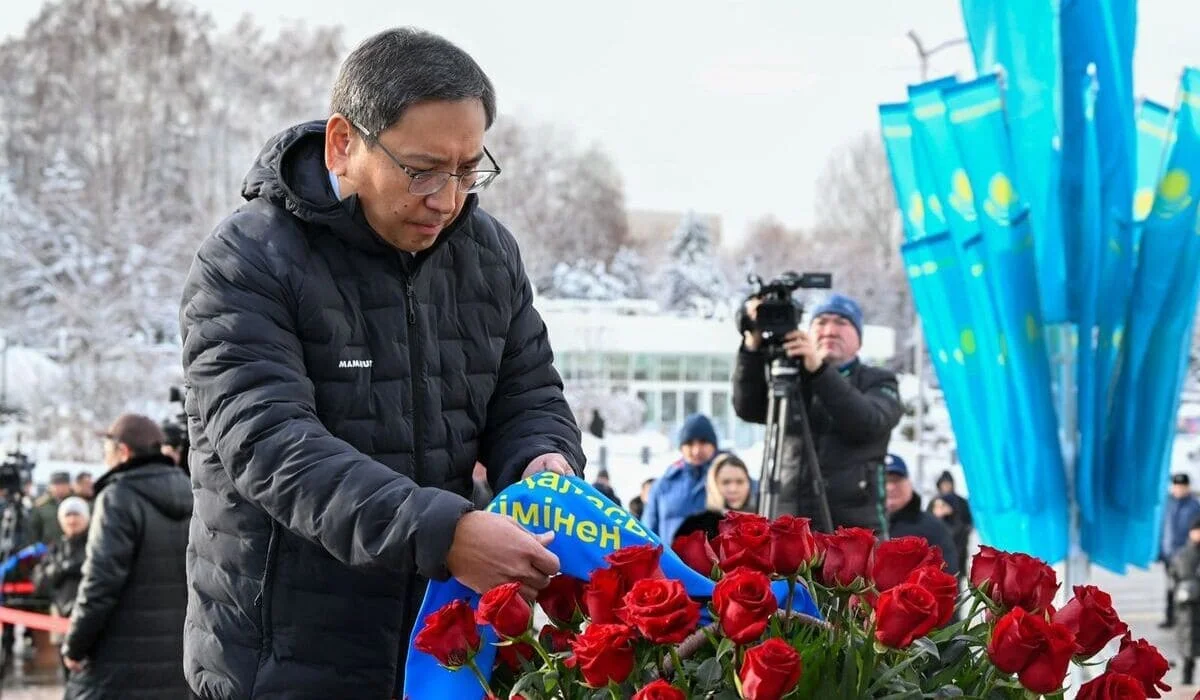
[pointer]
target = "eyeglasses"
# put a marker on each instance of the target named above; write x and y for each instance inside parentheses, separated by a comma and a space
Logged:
(424, 183)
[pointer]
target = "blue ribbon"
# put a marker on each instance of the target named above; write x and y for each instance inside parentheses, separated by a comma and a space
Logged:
(587, 527)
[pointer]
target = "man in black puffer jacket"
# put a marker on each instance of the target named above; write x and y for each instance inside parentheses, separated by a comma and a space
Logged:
(126, 636)
(852, 409)
(355, 338)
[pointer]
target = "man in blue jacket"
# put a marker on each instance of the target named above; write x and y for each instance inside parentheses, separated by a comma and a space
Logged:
(1181, 509)
(680, 491)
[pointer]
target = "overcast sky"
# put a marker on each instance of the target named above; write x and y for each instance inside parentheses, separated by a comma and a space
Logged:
(725, 107)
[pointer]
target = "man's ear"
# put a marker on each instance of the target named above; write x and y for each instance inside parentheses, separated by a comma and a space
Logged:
(339, 133)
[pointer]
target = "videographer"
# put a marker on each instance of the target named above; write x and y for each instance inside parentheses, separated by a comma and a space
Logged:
(852, 409)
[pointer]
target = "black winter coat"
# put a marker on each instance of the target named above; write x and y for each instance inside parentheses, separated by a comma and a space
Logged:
(1185, 576)
(128, 616)
(912, 521)
(58, 573)
(339, 394)
(851, 413)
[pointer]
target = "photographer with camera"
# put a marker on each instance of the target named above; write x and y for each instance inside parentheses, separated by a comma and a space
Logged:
(851, 409)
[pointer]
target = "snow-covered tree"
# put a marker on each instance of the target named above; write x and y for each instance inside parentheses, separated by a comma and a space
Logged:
(692, 282)
(629, 267)
(585, 279)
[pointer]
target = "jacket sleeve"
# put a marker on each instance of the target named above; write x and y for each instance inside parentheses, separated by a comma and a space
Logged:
(869, 414)
(750, 386)
(527, 414)
(651, 514)
(255, 404)
(113, 535)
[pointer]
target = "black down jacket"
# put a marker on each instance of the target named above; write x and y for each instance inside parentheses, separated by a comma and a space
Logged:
(58, 573)
(851, 412)
(128, 616)
(339, 395)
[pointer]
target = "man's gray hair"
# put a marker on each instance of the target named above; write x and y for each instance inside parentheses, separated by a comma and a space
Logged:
(398, 68)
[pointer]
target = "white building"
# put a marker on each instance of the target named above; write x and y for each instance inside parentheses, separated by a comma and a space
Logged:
(674, 365)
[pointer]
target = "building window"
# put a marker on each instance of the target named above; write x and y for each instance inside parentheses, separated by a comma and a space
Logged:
(720, 413)
(668, 368)
(565, 364)
(617, 367)
(691, 402)
(587, 366)
(695, 368)
(650, 400)
(670, 408)
(721, 368)
(644, 367)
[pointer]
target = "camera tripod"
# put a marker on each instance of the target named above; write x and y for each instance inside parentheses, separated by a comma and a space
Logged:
(783, 377)
(11, 515)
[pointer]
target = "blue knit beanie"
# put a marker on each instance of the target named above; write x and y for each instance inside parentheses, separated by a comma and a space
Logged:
(844, 306)
(697, 427)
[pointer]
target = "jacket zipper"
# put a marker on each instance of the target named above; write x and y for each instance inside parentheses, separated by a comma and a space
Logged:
(263, 600)
(415, 364)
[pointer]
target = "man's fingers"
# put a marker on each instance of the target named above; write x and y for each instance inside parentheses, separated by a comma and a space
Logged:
(545, 538)
(535, 580)
(528, 593)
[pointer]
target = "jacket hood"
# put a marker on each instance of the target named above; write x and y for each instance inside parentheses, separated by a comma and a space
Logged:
(158, 480)
(290, 173)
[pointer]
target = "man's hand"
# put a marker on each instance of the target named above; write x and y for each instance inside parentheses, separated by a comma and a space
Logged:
(490, 549)
(74, 665)
(552, 462)
(800, 344)
(752, 340)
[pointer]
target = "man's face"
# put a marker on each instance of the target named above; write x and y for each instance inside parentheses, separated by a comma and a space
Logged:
(83, 487)
(60, 491)
(837, 337)
(1180, 490)
(115, 453)
(899, 492)
(435, 135)
(72, 524)
(697, 451)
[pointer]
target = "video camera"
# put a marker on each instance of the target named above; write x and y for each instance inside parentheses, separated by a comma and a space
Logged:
(175, 428)
(15, 470)
(779, 313)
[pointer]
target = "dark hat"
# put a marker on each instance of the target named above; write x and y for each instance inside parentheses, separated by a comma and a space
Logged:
(844, 306)
(893, 464)
(138, 432)
(172, 435)
(1181, 479)
(946, 476)
(602, 474)
(697, 427)
(60, 478)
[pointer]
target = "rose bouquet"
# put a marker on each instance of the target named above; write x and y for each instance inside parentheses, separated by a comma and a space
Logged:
(890, 627)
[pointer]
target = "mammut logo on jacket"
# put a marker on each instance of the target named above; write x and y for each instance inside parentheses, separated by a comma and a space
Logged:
(347, 364)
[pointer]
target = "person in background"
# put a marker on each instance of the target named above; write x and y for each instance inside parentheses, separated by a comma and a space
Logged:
(1185, 571)
(604, 486)
(729, 486)
(56, 576)
(596, 426)
(905, 517)
(43, 518)
(637, 505)
(960, 532)
(83, 486)
(126, 635)
(173, 443)
(1181, 509)
(680, 491)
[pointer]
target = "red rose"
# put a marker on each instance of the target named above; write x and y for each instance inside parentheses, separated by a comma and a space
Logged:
(1047, 669)
(770, 670)
(1112, 686)
(943, 586)
(661, 610)
(1091, 617)
(747, 543)
(450, 634)
(904, 613)
(792, 544)
(695, 551)
(983, 566)
(734, 517)
(896, 559)
(637, 562)
(1141, 660)
(660, 690)
(562, 598)
(602, 595)
(603, 654)
(1024, 582)
(1015, 639)
(516, 655)
(505, 610)
(744, 603)
(554, 639)
(847, 555)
